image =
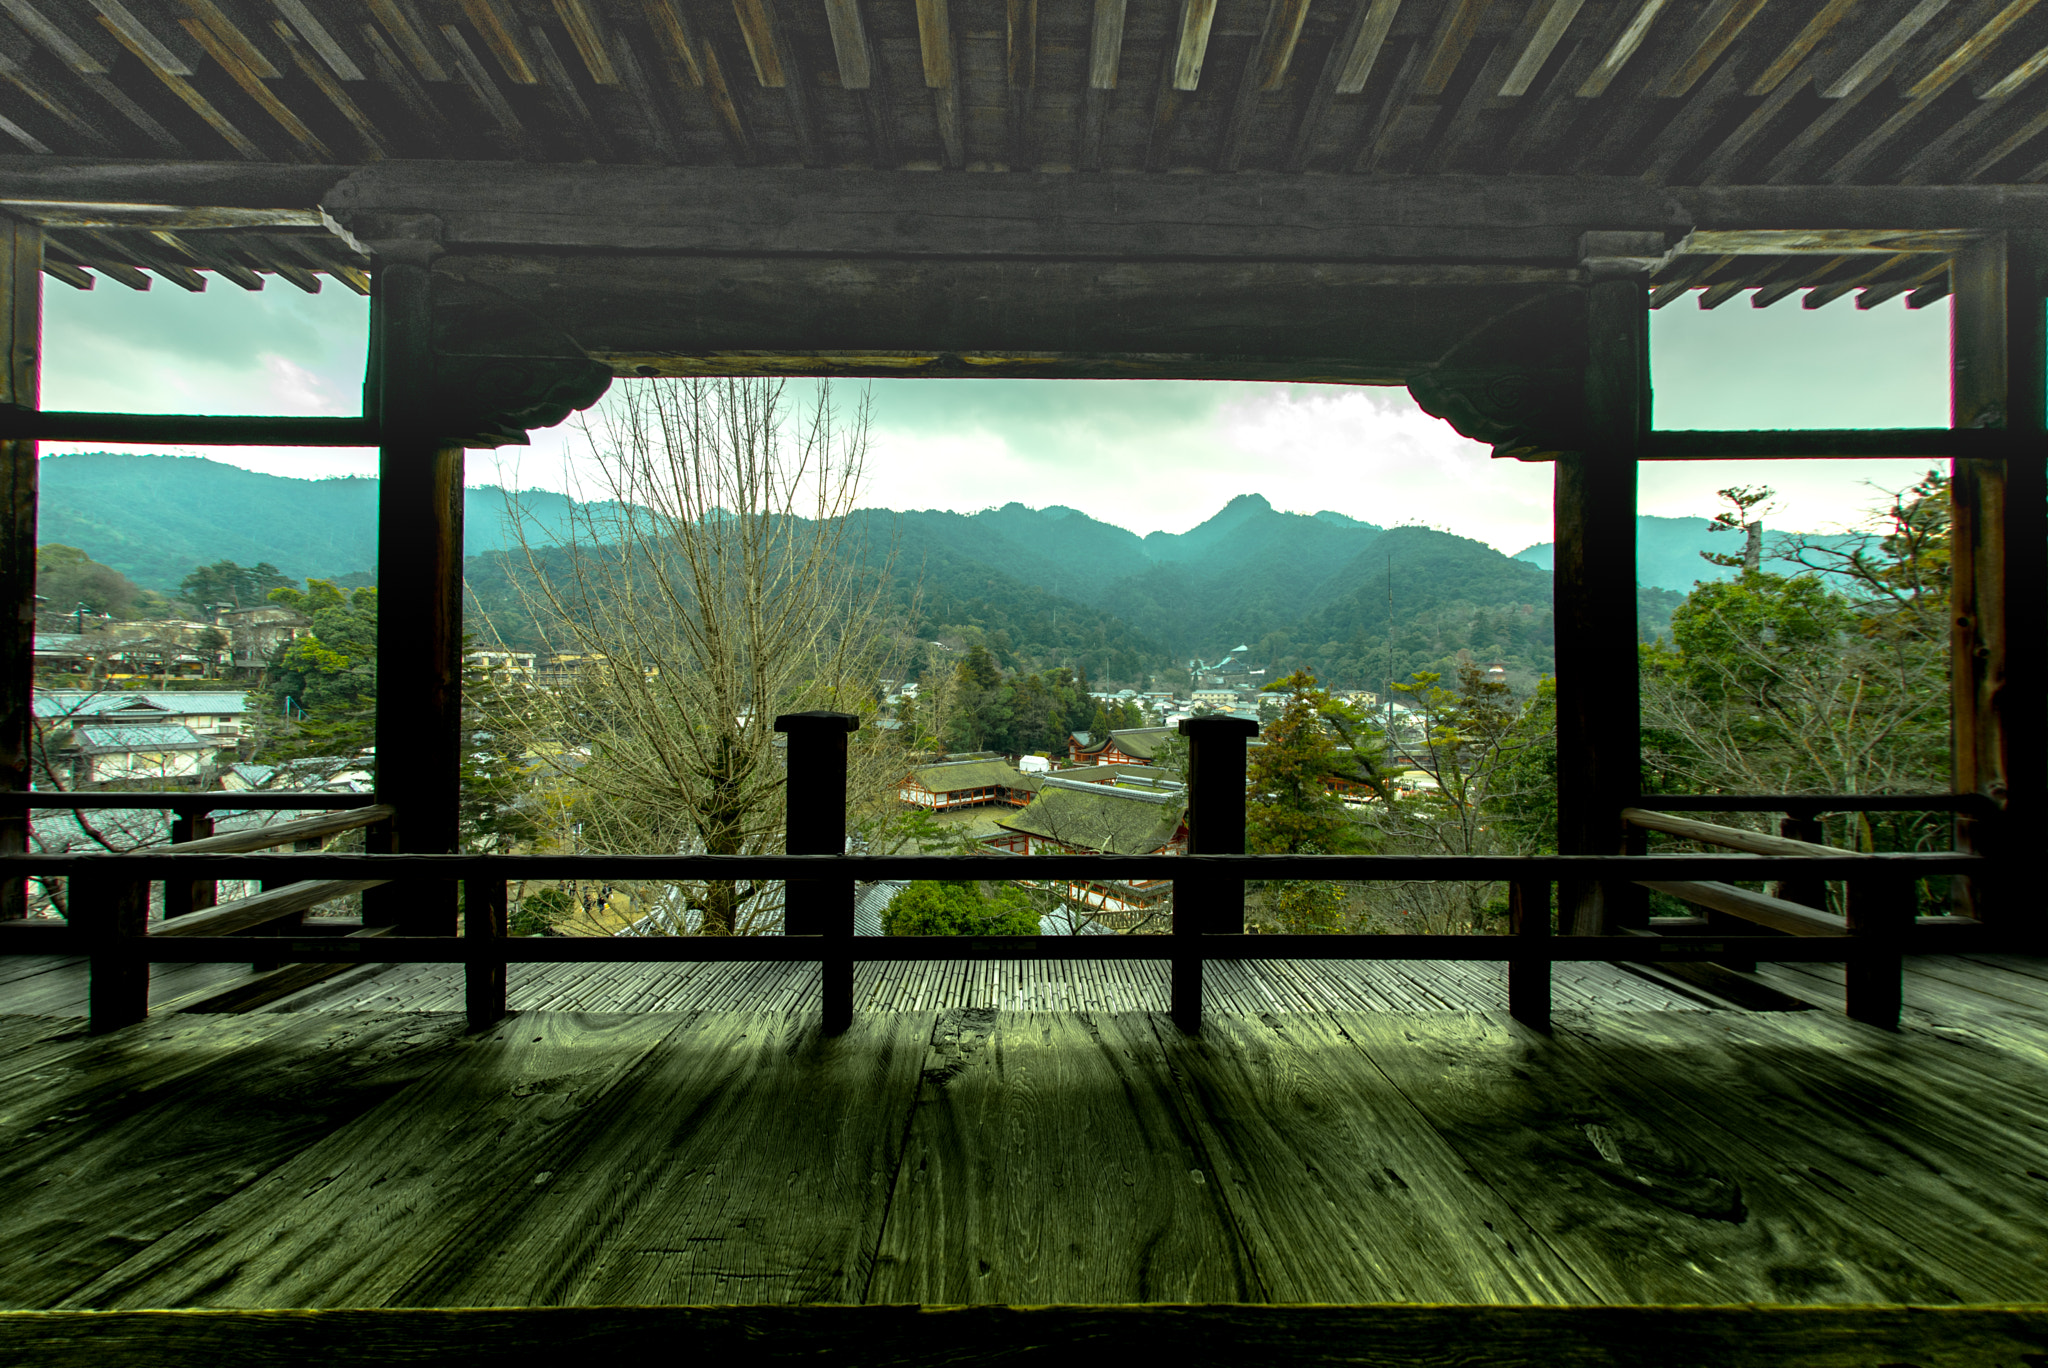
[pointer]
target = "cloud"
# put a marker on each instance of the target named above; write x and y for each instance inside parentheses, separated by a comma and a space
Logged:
(1146, 455)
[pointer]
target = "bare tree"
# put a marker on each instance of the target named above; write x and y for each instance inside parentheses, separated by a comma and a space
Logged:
(711, 572)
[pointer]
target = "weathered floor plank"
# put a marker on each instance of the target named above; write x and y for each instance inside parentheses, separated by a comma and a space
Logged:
(143, 1142)
(751, 1161)
(349, 1222)
(1872, 1147)
(1047, 1161)
(1342, 1189)
(1646, 1202)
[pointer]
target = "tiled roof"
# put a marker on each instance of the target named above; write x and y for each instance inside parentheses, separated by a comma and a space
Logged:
(970, 774)
(1143, 742)
(1108, 820)
(57, 703)
(141, 737)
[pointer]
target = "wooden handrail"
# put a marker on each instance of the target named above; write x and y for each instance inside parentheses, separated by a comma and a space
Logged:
(1731, 838)
(1761, 908)
(1973, 804)
(260, 909)
(282, 833)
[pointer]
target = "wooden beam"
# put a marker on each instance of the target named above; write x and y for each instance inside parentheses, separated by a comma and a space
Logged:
(419, 546)
(288, 901)
(477, 77)
(1367, 40)
(1542, 29)
(1726, 837)
(1718, 26)
(1623, 49)
(1020, 71)
(861, 71)
(1776, 913)
(1998, 598)
(1599, 753)
(1265, 66)
(1879, 58)
(1972, 49)
(500, 33)
(1446, 46)
(1105, 55)
(316, 35)
(177, 84)
(555, 76)
(252, 85)
(318, 72)
(275, 834)
(776, 68)
(401, 25)
(694, 65)
(1191, 42)
(21, 329)
(587, 32)
(942, 78)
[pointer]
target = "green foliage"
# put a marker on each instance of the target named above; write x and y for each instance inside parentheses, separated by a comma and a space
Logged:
(947, 908)
(327, 680)
(1293, 806)
(66, 577)
(225, 584)
(1521, 795)
(540, 911)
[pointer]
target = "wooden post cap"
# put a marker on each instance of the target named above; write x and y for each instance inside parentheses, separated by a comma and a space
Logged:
(816, 721)
(1218, 726)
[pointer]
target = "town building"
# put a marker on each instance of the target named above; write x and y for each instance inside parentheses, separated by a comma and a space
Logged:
(1071, 816)
(1129, 746)
(954, 784)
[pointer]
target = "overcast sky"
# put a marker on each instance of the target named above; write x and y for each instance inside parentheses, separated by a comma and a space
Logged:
(1146, 455)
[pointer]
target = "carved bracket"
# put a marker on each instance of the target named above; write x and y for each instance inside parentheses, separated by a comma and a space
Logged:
(1524, 413)
(501, 369)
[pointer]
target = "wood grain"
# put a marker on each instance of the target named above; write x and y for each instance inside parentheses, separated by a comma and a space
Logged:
(1048, 1161)
(142, 1146)
(511, 1106)
(751, 1161)
(1341, 1188)
(1646, 1202)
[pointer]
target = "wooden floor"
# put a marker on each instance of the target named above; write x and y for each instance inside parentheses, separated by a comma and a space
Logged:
(57, 987)
(968, 1155)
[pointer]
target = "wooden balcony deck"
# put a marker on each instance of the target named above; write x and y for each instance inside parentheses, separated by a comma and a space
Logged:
(967, 1155)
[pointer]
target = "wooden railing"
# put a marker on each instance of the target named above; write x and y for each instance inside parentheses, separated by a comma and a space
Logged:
(191, 906)
(110, 890)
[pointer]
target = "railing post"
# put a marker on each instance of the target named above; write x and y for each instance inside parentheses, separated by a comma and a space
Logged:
(1528, 970)
(112, 910)
(814, 805)
(1205, 905)
(484, 921)
(183, 896)
(1880, 911)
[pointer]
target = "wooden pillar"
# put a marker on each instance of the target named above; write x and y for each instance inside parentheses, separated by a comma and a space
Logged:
(814, 806)
(21, 326)
(1880, 913)
(484, 919)
(1999, 562)
(112, 910)
(1599, 754)
(1209, 906)
(419, 593)
(1529, 971)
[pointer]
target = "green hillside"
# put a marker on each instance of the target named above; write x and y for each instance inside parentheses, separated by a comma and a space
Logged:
(1668, 552)
(1041, 587)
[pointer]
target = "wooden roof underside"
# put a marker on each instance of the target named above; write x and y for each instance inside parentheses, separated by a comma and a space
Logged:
(1677, 92)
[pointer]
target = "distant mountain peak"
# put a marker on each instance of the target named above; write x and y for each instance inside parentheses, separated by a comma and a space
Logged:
(1248, 503)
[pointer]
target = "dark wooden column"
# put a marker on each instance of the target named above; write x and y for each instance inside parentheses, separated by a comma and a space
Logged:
(1999, 560)
(419, 591)
(1208, 906)
(814, 805)
(1599, 762)
(21, 327)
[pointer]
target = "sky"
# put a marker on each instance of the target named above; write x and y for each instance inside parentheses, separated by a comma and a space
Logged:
(1145, 455)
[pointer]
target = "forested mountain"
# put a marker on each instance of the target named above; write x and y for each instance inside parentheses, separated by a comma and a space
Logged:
(1668, 552)
(1040, 587)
